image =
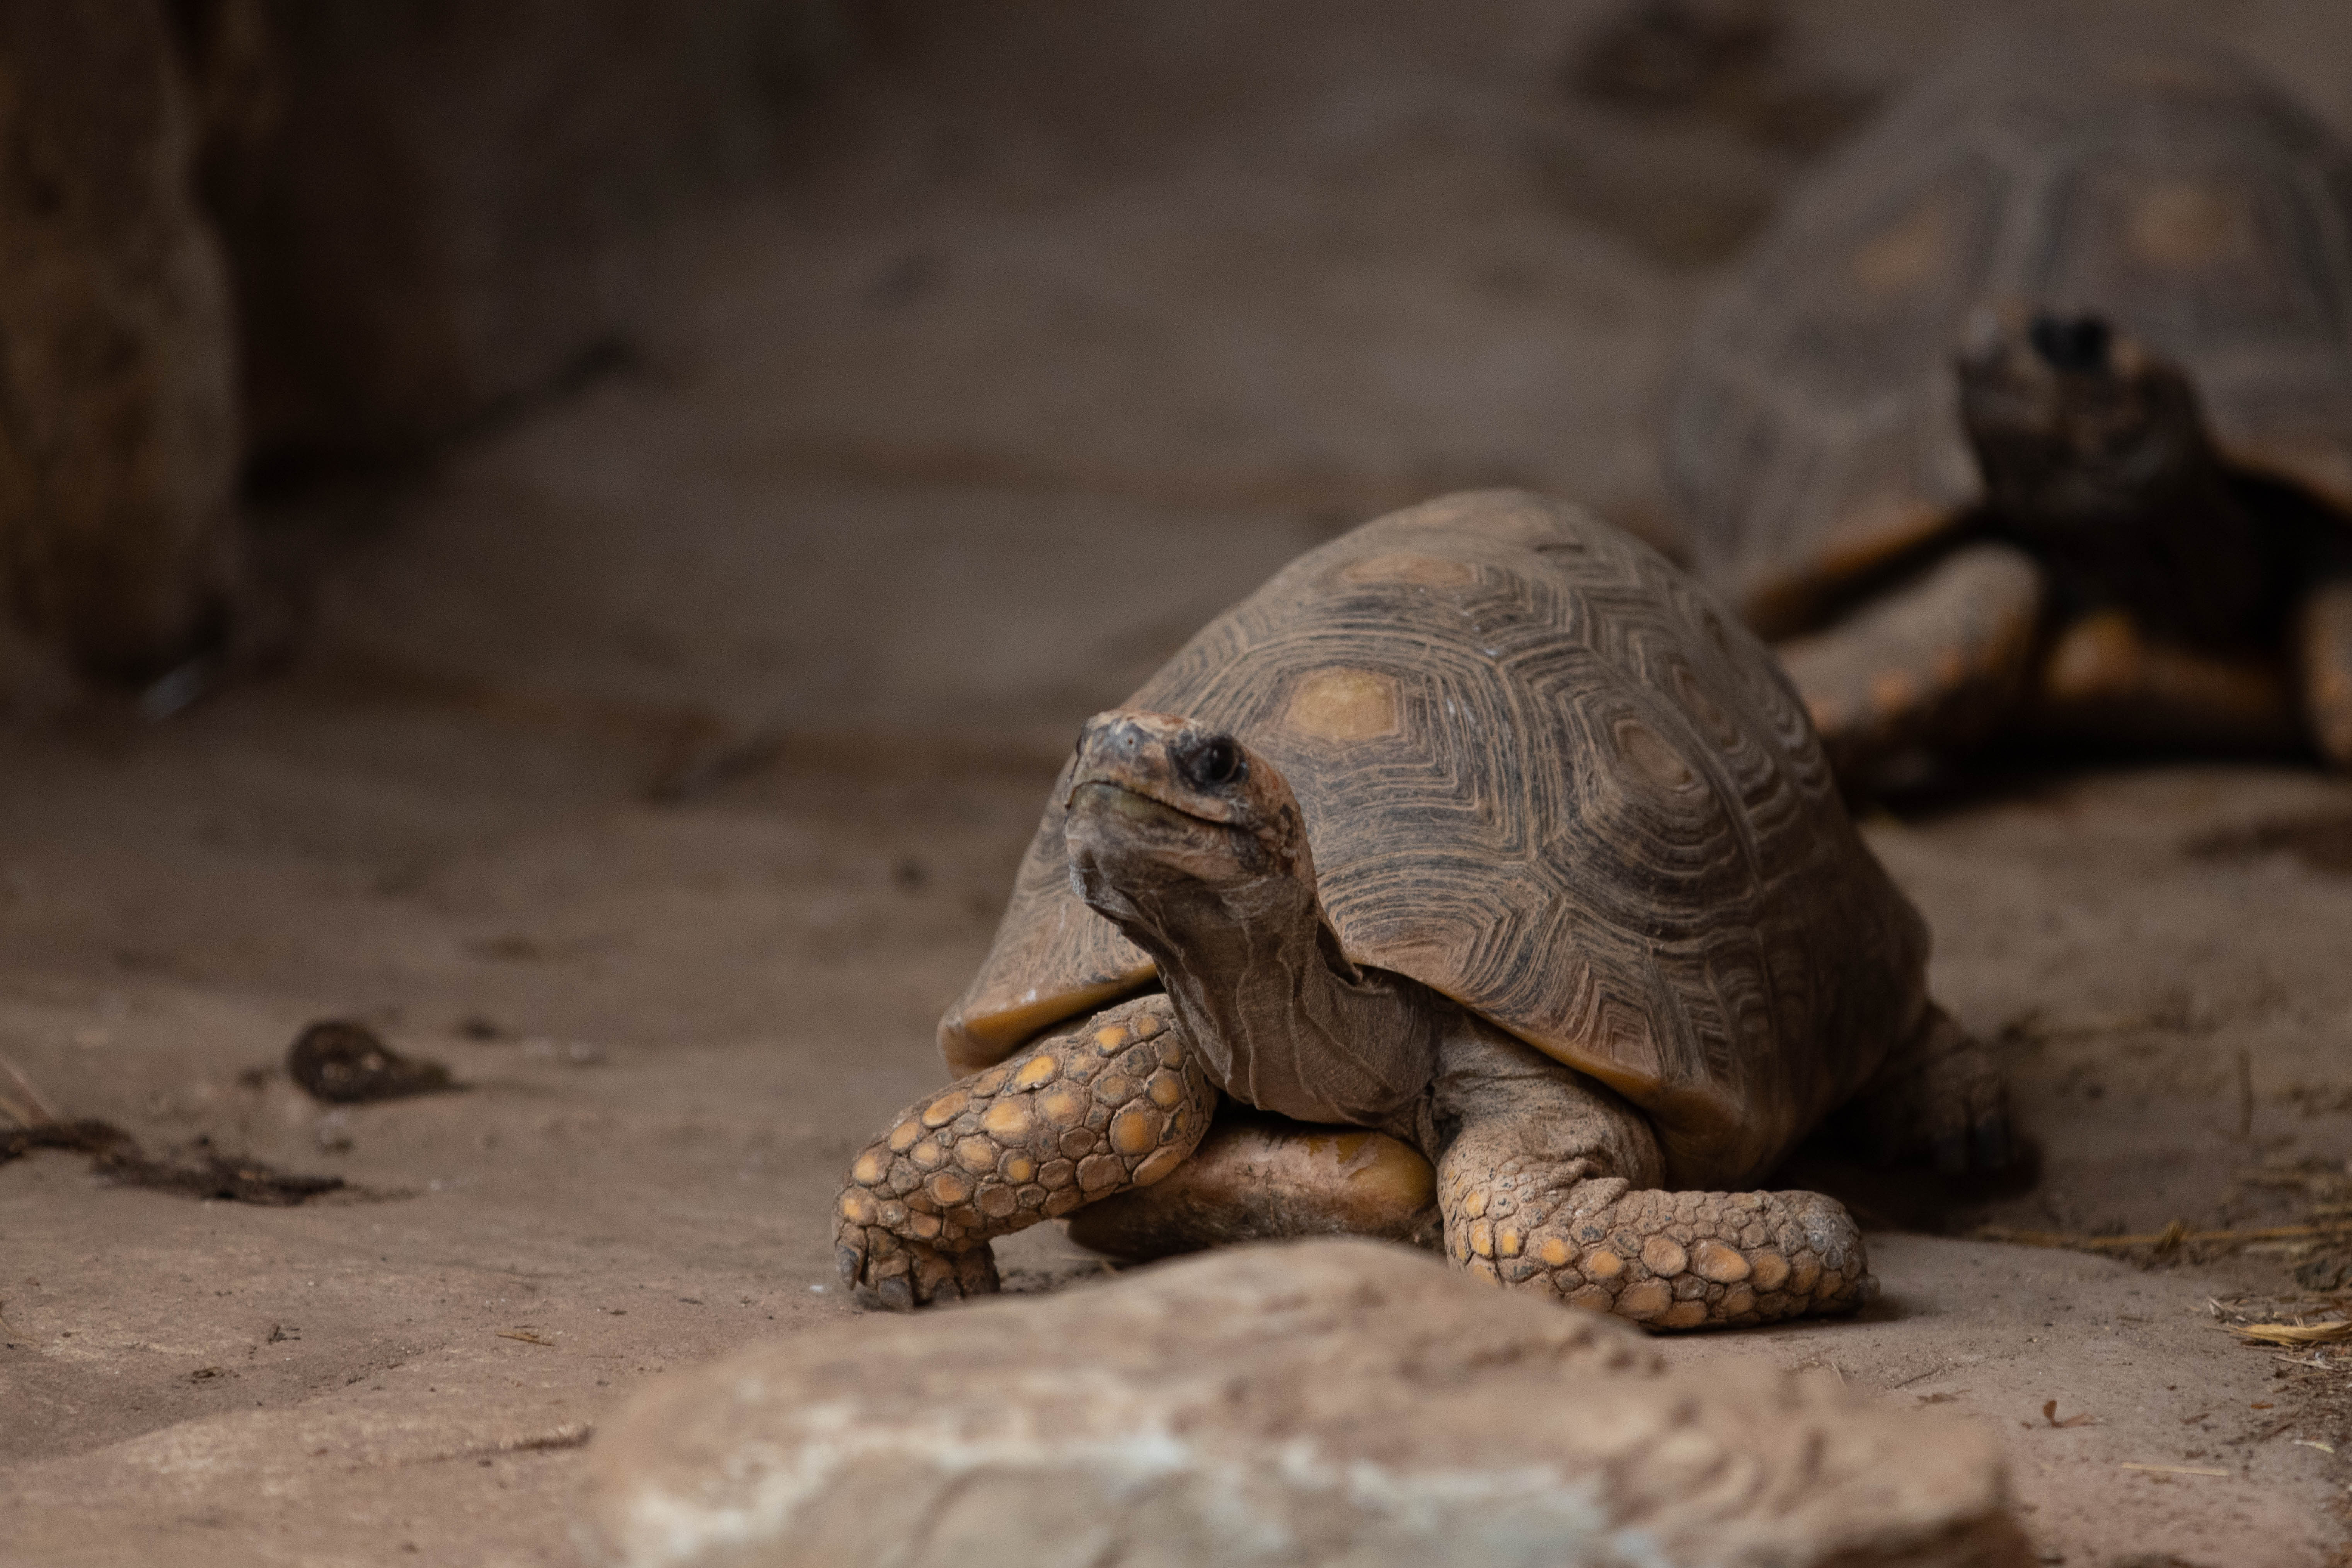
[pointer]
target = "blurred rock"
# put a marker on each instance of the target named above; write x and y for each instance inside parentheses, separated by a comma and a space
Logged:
(1310, 1402)
(118, 428)
(427, 202)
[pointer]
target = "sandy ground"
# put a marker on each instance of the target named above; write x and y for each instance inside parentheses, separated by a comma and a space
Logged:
(659, 762)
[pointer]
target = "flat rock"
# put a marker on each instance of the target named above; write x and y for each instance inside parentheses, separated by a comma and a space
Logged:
(1318, 1401)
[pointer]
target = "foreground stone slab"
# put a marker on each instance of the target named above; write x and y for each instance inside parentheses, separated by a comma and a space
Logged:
(1320, 1402)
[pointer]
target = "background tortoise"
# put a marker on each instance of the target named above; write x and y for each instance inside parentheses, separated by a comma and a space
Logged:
(2120, 510)
(1480, 826)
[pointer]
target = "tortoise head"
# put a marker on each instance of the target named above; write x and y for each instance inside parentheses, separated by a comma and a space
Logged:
(2075, 423)
(1158, 803)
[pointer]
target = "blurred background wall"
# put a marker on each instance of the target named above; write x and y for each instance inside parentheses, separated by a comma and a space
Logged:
(244, 238)
(424, 202)
(1209, 280)
(119, 444)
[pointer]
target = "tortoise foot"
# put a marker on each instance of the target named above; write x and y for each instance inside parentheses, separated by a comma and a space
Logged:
(1663, 1260)
(899, 1274)
(1113, 1103)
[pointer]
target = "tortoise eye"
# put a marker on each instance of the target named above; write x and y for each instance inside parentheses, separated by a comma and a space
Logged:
(1214, 763)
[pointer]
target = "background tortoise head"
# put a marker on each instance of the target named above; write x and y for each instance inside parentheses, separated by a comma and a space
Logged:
(1160, 806)
(2074, 422)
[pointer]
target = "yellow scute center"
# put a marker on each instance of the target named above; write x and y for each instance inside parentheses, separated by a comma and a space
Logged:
(1343, 704)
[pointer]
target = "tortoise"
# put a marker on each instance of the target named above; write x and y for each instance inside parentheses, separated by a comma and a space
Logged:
(1480, 880)
(2032, 413)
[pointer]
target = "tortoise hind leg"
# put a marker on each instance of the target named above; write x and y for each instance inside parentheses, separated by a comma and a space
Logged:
(2323, 639)
(1115, 1103)
(1939, 1098)
(1260, 1177)
(1934, 664)
(1549, 1184)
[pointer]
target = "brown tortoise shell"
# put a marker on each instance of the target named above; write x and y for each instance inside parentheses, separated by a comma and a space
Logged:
(1543, 774)
(1815, 432)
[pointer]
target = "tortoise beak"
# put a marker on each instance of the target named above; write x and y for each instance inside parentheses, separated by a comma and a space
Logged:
(1183, 766)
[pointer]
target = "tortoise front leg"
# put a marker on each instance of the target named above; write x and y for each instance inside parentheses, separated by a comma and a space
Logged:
(2323, 645)
(1935, 663)
(1116, 1102)
(1550, 1185)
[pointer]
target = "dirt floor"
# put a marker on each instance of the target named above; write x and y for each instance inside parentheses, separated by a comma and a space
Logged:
(658, 761)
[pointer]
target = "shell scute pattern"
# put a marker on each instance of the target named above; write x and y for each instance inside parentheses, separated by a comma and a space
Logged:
(1815, 430)
(1542, 774)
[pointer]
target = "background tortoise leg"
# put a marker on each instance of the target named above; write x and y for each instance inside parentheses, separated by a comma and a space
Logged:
(2104, 679)
(1116, 1102)
(2323, 664)
(1259, 1177)
(1935, 663)
(1550, 1185)
(1939, 1097)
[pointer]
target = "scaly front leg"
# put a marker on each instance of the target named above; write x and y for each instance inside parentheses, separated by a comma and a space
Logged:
(1116, 1102)
(1549, 1182)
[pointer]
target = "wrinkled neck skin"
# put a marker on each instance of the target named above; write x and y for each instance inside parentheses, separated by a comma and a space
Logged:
(1282, 1020)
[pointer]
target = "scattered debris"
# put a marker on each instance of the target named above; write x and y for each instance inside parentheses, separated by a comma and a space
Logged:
(2295, 1333)
(2175, 1013)
(212, 1174)
(571, 1435)
(2321, 841)
(2175, 1470)
(526, 1336)
(2318, 1099)
(343, 1062)
(179, 690)
(32, 1111)
(704, 755)
(572, 1053)
(2171, 1237)
(2050, 1414)
(2324, 1274)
